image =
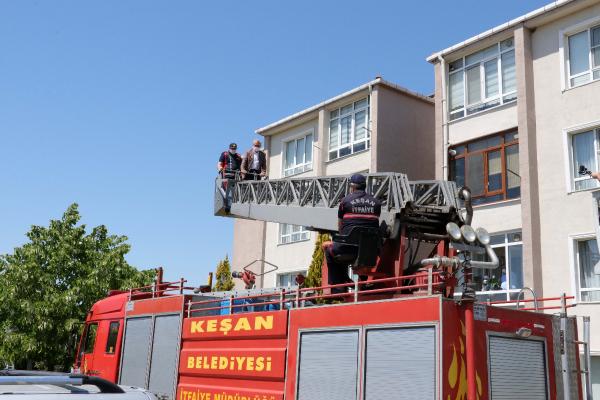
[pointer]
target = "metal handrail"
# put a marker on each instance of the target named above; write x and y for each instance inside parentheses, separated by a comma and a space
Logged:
(295, 296)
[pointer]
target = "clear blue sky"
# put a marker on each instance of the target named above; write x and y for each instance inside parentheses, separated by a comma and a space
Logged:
(124, 106)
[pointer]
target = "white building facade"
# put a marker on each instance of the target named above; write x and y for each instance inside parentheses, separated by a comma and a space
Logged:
(517, 114)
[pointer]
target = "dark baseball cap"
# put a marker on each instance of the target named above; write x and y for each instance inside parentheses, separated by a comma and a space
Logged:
(358, 179)
(233, 146)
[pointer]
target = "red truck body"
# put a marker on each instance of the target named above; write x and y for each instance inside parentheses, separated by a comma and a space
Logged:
(369, 349)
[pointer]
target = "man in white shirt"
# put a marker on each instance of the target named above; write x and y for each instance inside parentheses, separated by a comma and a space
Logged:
(254, 163)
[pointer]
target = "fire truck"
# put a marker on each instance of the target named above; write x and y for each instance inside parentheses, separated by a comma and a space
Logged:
(397, 331)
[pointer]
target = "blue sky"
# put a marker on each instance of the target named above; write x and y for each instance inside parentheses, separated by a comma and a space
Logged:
(124, 106)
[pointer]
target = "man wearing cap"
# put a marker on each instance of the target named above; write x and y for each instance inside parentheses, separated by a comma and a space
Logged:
(254, 163)
(356, 209)
(230, 162)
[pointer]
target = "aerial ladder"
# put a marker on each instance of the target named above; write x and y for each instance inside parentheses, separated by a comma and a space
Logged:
(417, 218)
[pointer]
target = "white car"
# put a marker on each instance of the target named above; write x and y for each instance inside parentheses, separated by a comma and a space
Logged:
(54, 386)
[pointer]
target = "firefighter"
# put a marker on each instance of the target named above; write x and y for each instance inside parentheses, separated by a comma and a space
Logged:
(356, 209)
(230, 162)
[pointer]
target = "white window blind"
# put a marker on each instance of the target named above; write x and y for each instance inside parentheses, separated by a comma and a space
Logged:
(482, 80)
(349, 129)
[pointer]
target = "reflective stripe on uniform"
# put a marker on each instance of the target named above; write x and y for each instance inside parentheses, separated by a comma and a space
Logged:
(363, 216)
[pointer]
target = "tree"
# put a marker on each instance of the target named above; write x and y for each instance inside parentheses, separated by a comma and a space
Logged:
(48, 285)
(313, 277)
(224, 279)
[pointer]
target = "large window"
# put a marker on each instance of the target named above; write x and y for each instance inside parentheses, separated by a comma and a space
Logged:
(289, 233)
(349, 129)
(587, 258)
(585, 147)
(584, 56)
(288, 279)
(482, 80)
(489, 167)
(504, 282)
(298, 155)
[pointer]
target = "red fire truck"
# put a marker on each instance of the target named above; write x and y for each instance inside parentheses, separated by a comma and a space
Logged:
(398, 332)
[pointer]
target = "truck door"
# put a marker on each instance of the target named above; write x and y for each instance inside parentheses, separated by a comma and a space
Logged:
(106, 354)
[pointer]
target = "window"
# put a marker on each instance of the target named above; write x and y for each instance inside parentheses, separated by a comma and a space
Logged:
(90, 338)
(587, 258)
(349, 129)
(585, 147)
(288, 279)
(489, 167)
(504, 282)
(111, 342)
(289, 233)
(298, 155)
(584, 56)
(482, 80)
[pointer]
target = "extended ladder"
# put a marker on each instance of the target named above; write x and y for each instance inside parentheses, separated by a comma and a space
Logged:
(313, 201)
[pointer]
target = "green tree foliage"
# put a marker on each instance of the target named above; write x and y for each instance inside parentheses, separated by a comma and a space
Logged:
(48, 285)
(224, 279)
(313, 277)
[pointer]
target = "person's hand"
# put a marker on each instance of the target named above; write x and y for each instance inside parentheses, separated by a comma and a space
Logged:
(596, 175)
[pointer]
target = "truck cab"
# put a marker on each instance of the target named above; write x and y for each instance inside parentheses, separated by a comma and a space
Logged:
(100, 345)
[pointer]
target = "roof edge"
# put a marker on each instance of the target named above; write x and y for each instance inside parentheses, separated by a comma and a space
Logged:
(500, 28)
(376, 81)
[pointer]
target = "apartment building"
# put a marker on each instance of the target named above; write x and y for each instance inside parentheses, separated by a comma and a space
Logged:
(517, 113)
(378, 126)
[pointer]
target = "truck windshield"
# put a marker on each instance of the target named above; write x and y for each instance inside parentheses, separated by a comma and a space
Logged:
(90, 338)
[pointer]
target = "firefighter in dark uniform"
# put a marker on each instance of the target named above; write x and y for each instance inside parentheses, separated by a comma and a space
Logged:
(230, 162)
(229, 166)
(356, 209)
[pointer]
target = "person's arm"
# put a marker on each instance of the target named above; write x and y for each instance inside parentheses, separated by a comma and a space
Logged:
(341, 213)
(596, 175)
(221, 163)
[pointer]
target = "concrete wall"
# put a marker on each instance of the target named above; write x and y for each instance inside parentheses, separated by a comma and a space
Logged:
(248, 237)
(562, 214)
(405, 135)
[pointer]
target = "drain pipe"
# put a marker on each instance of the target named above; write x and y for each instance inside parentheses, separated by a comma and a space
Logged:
(445, 133)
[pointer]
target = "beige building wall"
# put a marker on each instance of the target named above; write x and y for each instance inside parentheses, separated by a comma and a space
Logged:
(407, 143)
(564, 215)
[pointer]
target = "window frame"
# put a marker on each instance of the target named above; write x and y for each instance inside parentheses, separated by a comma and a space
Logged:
(304, 166)
(463, 112)
(506, 245)
(572, 180)
(502, 147)
(565, 36)
(352, 142)
(303, 232)
(576, 270)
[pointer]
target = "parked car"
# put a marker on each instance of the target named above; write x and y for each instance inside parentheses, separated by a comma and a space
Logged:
(15, 384)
